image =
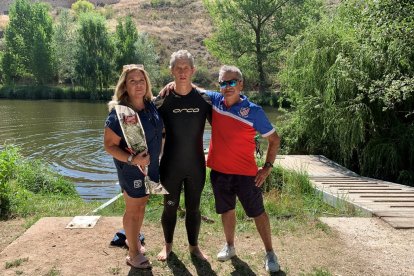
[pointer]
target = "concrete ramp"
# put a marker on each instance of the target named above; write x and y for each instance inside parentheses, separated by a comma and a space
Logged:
(48, 248)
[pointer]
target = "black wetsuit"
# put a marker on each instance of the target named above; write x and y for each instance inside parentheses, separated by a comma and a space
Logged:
(183, 161)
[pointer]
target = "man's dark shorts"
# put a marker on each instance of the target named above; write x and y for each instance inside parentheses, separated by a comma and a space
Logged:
(227, 186)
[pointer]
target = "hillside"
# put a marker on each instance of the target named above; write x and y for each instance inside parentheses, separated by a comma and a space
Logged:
(183, 24)
(5, 4)
(174, 25)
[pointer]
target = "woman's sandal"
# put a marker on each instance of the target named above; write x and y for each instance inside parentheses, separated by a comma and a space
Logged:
(139, 261)
(142, 249)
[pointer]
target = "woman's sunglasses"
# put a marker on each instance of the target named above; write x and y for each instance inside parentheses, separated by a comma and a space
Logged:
(232, 83)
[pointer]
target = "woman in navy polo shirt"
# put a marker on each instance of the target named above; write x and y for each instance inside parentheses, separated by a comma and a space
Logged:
(134, 90)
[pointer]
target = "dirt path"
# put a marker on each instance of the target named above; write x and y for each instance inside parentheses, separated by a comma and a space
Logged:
(355, 246)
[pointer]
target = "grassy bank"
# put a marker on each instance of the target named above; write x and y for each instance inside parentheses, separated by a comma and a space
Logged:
(30, 189)
(290, 200)
(32, 92)
(293, 208)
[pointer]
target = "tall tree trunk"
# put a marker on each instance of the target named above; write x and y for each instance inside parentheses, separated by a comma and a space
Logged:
(259, 58)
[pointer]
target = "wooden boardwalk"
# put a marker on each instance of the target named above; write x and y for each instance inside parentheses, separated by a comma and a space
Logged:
(392, 202)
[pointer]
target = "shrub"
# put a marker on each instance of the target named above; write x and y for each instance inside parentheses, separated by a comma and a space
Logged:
(8, 163)
(21, 180)
(350, 79)
(38, 178)
(263, 99)
(82, 6)
(160, 3)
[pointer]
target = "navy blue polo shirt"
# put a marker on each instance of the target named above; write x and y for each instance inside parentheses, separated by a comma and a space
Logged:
(131, 179)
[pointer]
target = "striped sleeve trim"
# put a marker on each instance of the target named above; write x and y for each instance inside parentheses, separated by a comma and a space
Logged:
(225, 113)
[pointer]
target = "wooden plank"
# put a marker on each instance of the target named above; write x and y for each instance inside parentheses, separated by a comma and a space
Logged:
(394, 200)
(404, 214)
(353, 183)
(387, 196)
(358, 186)
(348, 182)
(395, 213)
(330, 178)
(389, 201)
(379, 189)
(379, 209)
(400, 223)
(387, 204)
(380, 197)
(382, 192)
(345, 182)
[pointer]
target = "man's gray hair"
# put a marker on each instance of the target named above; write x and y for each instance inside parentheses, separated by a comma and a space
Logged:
(181, 54)
(231, 69)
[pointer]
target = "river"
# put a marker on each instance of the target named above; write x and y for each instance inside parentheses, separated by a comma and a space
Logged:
(68, 136)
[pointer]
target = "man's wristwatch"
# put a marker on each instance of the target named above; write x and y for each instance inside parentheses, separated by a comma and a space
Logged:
(268, 165)
(129, 160)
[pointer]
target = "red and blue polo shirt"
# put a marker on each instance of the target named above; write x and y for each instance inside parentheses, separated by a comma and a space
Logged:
(232, 144)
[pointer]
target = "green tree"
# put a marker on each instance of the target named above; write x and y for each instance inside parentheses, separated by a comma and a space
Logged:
(41, 64)
(64, 44)
(133, 47)
(350, 80)
(27, 36)
(94, 54)
(147, 55)
(251, 34)
(126, 35)
(17, 41)
(1, 67)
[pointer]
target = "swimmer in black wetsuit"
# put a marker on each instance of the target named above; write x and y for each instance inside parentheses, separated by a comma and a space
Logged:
(184, 112)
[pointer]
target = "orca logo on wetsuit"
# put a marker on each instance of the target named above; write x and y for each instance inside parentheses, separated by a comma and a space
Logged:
(188, 110)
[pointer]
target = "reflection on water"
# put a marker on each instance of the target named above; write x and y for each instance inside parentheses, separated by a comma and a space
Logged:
(67, 135)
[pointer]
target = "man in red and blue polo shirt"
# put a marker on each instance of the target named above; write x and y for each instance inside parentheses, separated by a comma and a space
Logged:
(234, 172)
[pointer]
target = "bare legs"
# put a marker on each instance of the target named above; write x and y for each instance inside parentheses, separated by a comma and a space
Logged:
(263, 227)
(165, 252)
(229, 226)
(132, 220)
(195, 250)
(262, 224)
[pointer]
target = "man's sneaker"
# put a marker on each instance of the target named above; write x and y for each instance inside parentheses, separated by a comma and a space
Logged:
(226, 253)
(271, 263)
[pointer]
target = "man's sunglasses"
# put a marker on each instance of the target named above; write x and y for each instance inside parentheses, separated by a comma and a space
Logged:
(232, 83)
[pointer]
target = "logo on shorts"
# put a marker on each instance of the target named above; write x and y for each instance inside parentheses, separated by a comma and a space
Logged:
(170, 202)
(137, 184)
(244, 111)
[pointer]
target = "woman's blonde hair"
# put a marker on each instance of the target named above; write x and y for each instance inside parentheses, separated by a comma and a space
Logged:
(120, 94)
